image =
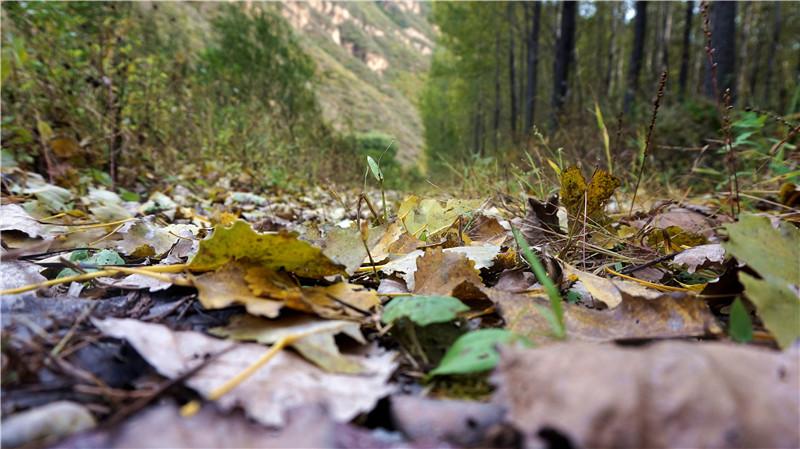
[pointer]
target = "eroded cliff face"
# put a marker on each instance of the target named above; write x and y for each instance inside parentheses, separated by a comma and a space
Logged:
(372, 57)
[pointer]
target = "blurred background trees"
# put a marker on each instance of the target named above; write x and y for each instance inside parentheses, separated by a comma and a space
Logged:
(559, 59)
(125, 92)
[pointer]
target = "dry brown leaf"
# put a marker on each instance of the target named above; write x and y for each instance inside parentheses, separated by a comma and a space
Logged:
(610, 292)
(439, 272)
(276, 285)
(488, 230)
(341, 301)
(318, 347)
(635, 318)
(395, 241)
(227, 286)
(286, 382)
(540, 224)
(670, 394)
(699, 256)
(686, 219)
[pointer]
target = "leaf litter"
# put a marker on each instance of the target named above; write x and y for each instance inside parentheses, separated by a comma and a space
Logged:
(241, 307)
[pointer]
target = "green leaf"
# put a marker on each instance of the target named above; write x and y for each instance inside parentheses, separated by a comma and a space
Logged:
(774, 253)
(474, 352)
(740, 327)
(777, 305)
(770, 251)
(423, 310)
(282, 250)
(81, 257)
(373, 167)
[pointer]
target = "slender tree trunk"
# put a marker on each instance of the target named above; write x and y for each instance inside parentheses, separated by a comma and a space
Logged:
(685, 51)
(512, 71)
(723, 40)
(496, 121)
(776, 34)
(667, 35)
(744, 39)
(533, 66)
(565, 51)
(635, 66)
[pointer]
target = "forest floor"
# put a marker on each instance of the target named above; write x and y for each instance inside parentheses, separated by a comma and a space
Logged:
(322, 318)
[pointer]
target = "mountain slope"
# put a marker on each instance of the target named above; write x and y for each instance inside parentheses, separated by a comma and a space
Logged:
(371, 58)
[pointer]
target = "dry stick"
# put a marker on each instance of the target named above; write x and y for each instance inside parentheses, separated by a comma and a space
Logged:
(661, 83)
(724, 112)
(154, 271)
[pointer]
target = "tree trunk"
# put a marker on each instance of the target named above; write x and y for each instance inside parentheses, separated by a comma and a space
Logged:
(496, 121)
(667, 35)
(723, 41)
(533, 66)
(635, 66)
(565, 50)
(512, 71)
(685, 51)
(776, 34)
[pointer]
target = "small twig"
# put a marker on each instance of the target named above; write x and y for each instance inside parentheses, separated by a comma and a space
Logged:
(142, 402)
(60, 345)
(634, 268)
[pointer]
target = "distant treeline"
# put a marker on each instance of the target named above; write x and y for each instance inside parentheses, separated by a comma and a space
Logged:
(504, 69)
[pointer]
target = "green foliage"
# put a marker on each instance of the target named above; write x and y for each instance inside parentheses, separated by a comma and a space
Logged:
(423, 310)
(740, 327)
(128, 89)
(773, 253)
(474, 352)
(556, 313)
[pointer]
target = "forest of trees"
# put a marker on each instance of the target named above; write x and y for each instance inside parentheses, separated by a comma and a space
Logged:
(507, 70)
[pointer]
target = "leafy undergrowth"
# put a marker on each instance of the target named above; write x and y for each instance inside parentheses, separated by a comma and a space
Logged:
(490, 322)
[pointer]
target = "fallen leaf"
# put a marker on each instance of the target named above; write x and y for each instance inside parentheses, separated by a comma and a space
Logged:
(318, 347)
(610, 292)
(429, 216)
(634, 318)
(142, 239)
(698, 256)
(487, 230)
(540, 224)
(286, 382)
(341, 301)
(438, 273)
(275, 285)
(345, 247)
(227, 286)
(139, 282)
(439, 421)
(18, 273)
(516, 281)
(686, 219)
(45, 423)
(669, 394)
(275, 251)
(306, 427)
(482, 255)
(14, 218)
(423, 310)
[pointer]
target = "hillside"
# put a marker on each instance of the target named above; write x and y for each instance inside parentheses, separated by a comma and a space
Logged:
(371, 57)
